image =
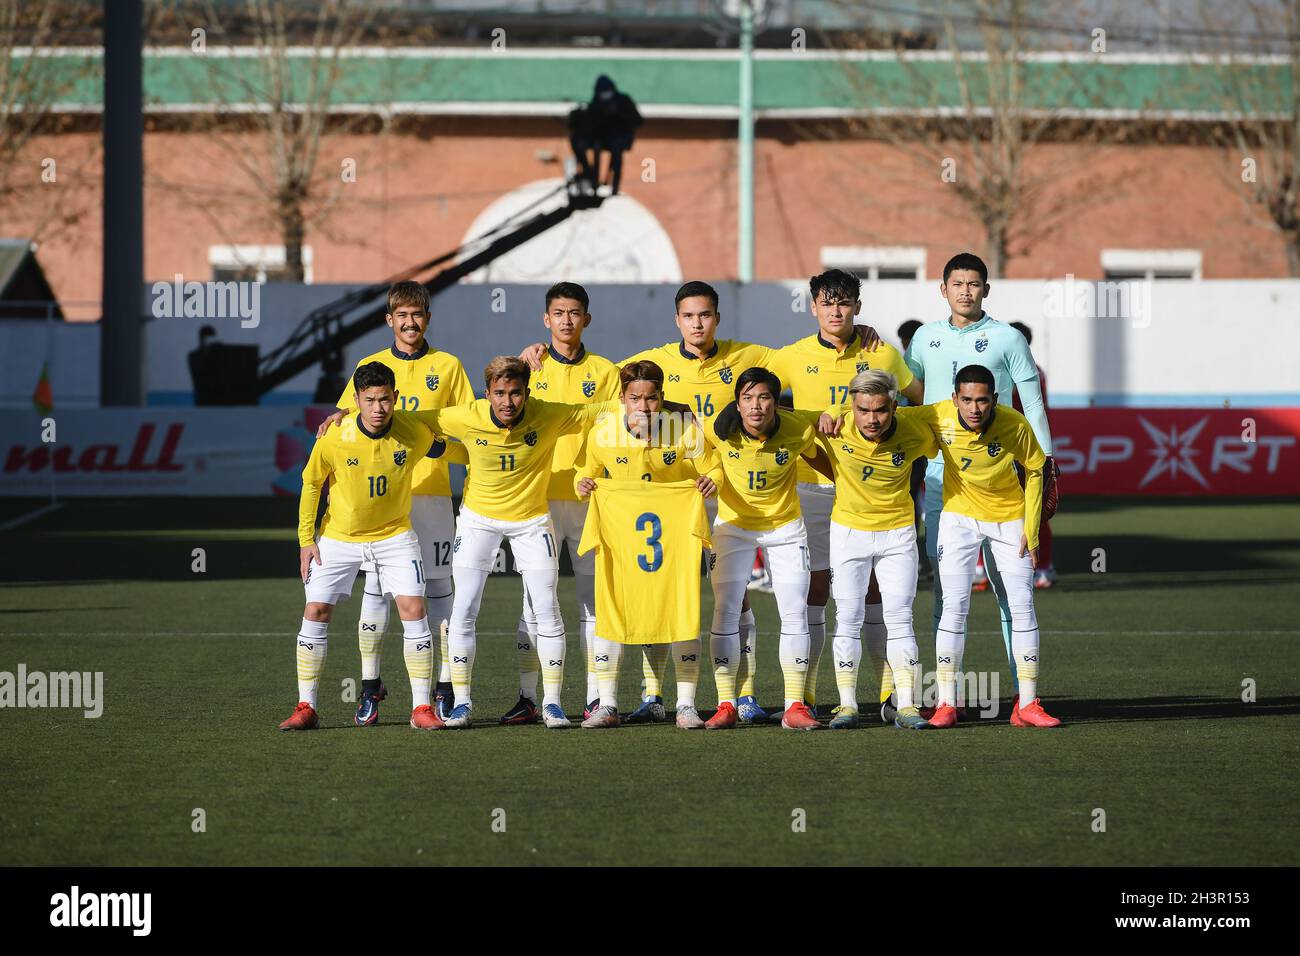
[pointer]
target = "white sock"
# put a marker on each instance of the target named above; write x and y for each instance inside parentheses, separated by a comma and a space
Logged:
(747, 667)
(541, 586)
(526, 652)
(370, 628)
(903, 655)
(312, 647)
(686, 657)
(608, 656)
(847, 648)
(876, 636)
(462, 634)
(439, 618)
(816, 642)
(417, 650)
(585, 586)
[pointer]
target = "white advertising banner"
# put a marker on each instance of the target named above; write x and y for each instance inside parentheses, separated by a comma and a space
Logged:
(157, 451)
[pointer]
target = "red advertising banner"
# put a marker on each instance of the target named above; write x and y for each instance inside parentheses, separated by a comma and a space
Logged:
(1167, 452)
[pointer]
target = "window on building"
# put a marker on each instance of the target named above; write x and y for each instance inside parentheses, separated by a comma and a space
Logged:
(1148, 264)
(876, 262)
(254, 263)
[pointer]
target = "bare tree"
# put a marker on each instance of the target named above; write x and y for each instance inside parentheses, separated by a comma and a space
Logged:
(281, 99)
(1254, 87)
(984, 142)
(37, 195)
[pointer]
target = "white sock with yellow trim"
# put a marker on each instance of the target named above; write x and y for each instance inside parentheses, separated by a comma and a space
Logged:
(417, 650)
(312, 647)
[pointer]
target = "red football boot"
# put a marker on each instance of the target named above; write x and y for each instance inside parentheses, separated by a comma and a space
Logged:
(303, 718)
(424, 718)
(1032, 715)
(724, 719)
(798, 717)
(945, 715)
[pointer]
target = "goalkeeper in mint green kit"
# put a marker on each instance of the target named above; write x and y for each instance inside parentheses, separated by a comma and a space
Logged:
(937, 351)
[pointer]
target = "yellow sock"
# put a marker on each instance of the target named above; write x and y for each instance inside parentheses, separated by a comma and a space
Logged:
(654, 668)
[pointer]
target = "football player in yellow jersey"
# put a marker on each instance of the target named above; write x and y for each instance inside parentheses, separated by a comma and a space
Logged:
(370, 463)
(873, 532)
(571, 374)
(644, 443)
(426, 378)
(759, 508)
(701, 371)
(982, 442)
(818, 370)
(510, 439)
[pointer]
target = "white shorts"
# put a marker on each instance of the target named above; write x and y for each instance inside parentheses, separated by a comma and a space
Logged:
(960, 538)
(785, 549)
(434, 523)
(396, 560)
(816, 502)
(568, 518)
(532, 542)
(892, 554)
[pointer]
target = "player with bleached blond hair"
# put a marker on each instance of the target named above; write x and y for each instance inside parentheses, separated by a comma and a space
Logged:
(872, 444)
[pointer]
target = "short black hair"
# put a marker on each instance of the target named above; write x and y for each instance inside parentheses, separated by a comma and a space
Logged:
(837, 284)
(907, 330)
(758, 376)
(692, 289)
(966, 260)
(1024, 330)
(567, 290)
(976, 374)
(373, 374)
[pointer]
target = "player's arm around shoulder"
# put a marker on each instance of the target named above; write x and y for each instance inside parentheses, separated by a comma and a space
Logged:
(450, 420)
(812, 451)
(413, 433)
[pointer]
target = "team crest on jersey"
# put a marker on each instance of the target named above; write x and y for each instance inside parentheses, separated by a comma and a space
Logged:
(670, 457)
(399, 458)
(354, 461)
(432, 381)
(530, 439)
(864, 367)
(588, 389)
(898, 458)
(725, 374)
(782, 456)
(995, 449)
(981, 345)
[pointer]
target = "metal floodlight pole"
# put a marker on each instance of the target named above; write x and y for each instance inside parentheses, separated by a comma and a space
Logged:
(121, 327)
(745, 222)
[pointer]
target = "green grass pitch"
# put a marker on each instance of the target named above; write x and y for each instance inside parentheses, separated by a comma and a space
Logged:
(1145, 663)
